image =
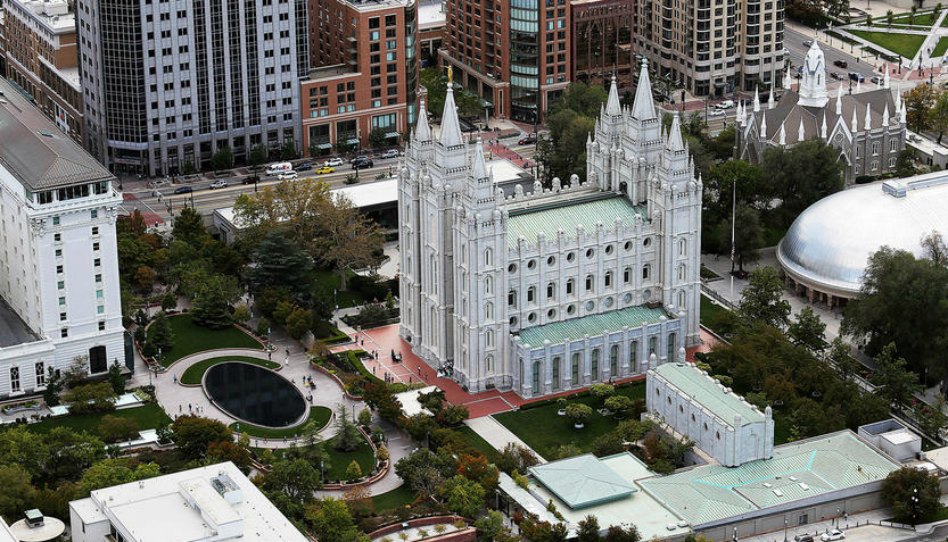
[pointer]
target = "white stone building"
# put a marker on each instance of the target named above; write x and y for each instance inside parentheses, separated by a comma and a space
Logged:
(562, 287)
(59, 281)
(717, 420)
(215, 503)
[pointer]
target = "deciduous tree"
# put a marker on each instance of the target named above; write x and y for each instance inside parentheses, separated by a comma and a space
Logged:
(913, 494)
(193, 435)
(761, 301)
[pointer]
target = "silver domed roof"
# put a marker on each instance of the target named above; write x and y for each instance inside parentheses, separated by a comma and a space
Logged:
(829, 244)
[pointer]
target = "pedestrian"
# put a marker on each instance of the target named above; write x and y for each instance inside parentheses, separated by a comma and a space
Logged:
(287, 352)
(269, 355)
(189, 407)
(180, 408)
(175, 379)
(361, 342)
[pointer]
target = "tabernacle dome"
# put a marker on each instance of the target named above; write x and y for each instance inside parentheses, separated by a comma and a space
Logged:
(826, 250)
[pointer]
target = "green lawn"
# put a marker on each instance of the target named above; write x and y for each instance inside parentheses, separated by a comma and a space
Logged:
(545, 431)
(193, 374)
(318, 414)
(330, 281)
(476, 441)
(921, 19)
(941, 47)
(711, 311)
(340, 460)
(903, 44)
(150, 416)
(190, 338)
(396, 498)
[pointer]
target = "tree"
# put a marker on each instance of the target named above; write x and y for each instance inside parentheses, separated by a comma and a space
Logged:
(348, 438)
(602, 391)
(839, 354)
(896, 384)
(420, 426)
(377, 138)
(280, 262)
(212, 304)
(463, 496)
(116, 378)
(588, 530)
(515, 458)
(748, 235)
(116, 429)
(88, 398)
(490, 526)
(619, 404)
(424, 470)
(297, 479)
(918, 104)
(905, 163)
(227, 450)
(913, 495)
(451, 415)
(288, 206)
(802, 175)
(18, 492)
(735, 179)
(298, 322)
(938, 115)
(889, 17)
(145, 278)
(563, 154)
(159, 333)
(193, 435)
(903, 301)
(222, 159)
(54, 387)
(808, 330)
(578, 412)
(331, 522)
(349, 240)
(288, 151)
(353, 471)
(615, 533)
(476, 467)
(935, 249)
(168, 302)
(189, 228)
(257, 157)
(365, 417)
(113, 472)
(761, 300)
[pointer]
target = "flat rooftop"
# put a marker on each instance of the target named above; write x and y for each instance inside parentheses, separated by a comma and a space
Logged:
(708, 392)
(13, 330)
(594, 324)
(567, 216)
(798, 470)
(431, 15)
(181, 507)
(56, 15)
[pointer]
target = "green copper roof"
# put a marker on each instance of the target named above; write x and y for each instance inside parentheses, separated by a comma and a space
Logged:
(582, 481)
(692, 382)
(595, 324)
(798, 470)
(566, 216)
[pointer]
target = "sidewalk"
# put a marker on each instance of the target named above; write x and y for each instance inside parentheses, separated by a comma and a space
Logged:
(497, 435)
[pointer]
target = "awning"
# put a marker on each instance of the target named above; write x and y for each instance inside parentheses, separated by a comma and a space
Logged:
(487, 104)
(390, 135)
(353, 141)
(324, 146)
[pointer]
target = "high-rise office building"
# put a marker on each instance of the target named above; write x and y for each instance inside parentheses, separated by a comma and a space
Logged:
(712, 47)
(41, 58)
(169, 83)
(365, 73)
(515, 54)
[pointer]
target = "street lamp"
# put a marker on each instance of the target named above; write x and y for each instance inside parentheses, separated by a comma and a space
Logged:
(785, 525)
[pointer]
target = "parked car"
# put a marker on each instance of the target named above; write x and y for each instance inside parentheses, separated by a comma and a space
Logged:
(858, 77)
(726, 104)
(807, 43)
(362, 162)
(334, 162)
(280, 167)
(305, 166)
(528, 139)
(805, 537)
(183, 190)
(322, 170)
(220, 183)
(251, 179)
(832, 534)
(835, 76)
(289, 175)
(717, 113)
(391, 153)
(841, 64)
(877, 79)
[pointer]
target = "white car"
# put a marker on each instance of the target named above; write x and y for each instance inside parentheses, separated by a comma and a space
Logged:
(717, 113)
(726, 104)
(289, 175)
(334, 162)
(391, 153)
(221, 183)
(833, 534)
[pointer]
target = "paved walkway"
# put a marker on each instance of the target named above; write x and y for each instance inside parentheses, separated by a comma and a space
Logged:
(497, 435)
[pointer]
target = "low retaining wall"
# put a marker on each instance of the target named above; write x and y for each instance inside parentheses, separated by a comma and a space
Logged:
(383, 468)
(414, 523)
(338, 380)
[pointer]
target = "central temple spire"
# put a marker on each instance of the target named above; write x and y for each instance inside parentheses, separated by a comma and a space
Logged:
(450, 125)
(643, 107)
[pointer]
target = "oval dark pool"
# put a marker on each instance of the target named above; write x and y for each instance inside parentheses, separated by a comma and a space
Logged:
(254, 394)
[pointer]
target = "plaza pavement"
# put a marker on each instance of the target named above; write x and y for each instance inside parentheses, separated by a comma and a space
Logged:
(497, 435)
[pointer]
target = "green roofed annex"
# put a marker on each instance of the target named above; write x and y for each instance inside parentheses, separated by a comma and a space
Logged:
(582, 481)
(595, 324)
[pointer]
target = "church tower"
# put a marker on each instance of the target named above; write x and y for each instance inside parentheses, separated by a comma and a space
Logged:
(813, 84)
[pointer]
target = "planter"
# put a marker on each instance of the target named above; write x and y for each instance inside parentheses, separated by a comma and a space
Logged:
(561, 412)
(578, 425)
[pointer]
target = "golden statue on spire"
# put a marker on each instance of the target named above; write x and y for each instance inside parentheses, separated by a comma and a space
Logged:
(450, 75)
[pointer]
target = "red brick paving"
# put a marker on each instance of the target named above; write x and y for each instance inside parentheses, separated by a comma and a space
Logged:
(383, 340)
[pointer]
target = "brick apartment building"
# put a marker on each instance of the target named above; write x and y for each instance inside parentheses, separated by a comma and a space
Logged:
(367, 77)
(41, 59)
(518, 78)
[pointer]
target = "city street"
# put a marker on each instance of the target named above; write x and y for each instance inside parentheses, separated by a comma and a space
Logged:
(793, 42)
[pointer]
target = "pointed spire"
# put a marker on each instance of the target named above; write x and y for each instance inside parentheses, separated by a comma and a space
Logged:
(756, 101)
(898, 102)
(763, 127)
(885, 78)
(450, 126)
(770, 99)
(422, 129)
(479, 165)
(783, 135)
(800, 132)
(855, 127)
(823, 128)
(739, 114)
(675, 142)
(839, 100)
(858, 86)
(885, 116)
(787, 80)
(613, 108)
(902, 114)
(867, 121)
(643, 107)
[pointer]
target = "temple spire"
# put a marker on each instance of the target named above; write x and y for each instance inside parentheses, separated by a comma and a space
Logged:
(450, 126)
(770, 99)
(479, 165)
(787, 80)
(763, 126)
(867, 121)
(839, 100)
(885, 116)
(783, 135)
(801, 135)
(422, 129)
(756, 101)
(823, 128)
(854, 122)
(675, 143)
(885, 78)
(643, 107)
(613, 108)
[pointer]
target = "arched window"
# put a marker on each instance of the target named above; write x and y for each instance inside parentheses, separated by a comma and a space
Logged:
(682, 298)
(489, 311)
(627, 275)
(512, 298)
(556, 373)
(570, 286)
(634, 356)
(490, 338)
(536, 377)
(608, 279)
(682, 247)
(488, 285)
(646, 271)
(614, 360)
(652, 345)
(531, 294)
(574, 369)
(589, 283)
(672, 339)
(490, 363)
(681, 272)
(488, 257)
(550, 290)
(594, 365)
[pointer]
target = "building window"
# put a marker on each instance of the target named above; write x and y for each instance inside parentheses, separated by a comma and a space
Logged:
(682, 298)
(672, 339)
(589, 283)
(627, 275)
(101, 325)
(63, 333)
(512, 298)
(97, 361)
(681, 272)
(646, 271)
(594, 365)
(531, 294)
(488, 285)
(682, 247)
(608, 279)
(574, 369)
(490, 338)
(570, 286)
(550, 290)
(61, 285)
(536, 377)
(55, 221)
(14, 379)
(614, 360)
(488, 257)
(489, 311)
(94, 213)
(490, 364)
(556, 373)
(652, 345)
(62, 317)
(40, 373)
(633, 356)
